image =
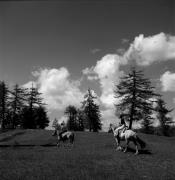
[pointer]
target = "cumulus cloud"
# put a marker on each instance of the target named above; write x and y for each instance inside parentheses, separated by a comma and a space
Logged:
(168, 81)
(146, 50)
(125, 41)
(30, 84)
(107, 72)
(94, 51)
(57, 88)
(108, 116)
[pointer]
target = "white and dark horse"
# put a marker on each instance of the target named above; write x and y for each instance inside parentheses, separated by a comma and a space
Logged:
(127, 135)
(66, 136)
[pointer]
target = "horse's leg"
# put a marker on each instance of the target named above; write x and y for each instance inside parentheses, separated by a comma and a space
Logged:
(117, 139)
(127, 143)
(136, 146)
(58, 143)
(72, 141)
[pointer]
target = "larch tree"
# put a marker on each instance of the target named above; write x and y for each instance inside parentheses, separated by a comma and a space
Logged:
(71, 112)
(41, 117)
(148, 121)
(80, 120)
(17, 102)
(163, 117)
(34, 100)
(136, 94)
(4, 103)
(92, 112)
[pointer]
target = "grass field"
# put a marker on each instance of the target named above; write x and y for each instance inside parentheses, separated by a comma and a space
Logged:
(32, 154)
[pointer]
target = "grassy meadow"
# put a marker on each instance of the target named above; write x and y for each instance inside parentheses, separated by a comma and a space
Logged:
(32, 154)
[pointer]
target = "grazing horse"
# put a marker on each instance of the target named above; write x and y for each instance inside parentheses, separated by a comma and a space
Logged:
(127, 135)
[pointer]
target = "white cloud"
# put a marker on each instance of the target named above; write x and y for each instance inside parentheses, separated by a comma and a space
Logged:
(94, 51)
(58, 89)
(146, 50)
(168, 81)
(108, 73)
(125, 41)
(108, 116)
(89, 72)
(30, 84)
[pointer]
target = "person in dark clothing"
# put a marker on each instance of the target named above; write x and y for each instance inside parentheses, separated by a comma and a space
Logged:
(122, 121)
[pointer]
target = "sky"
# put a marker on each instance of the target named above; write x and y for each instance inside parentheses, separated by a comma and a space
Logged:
(65, 47)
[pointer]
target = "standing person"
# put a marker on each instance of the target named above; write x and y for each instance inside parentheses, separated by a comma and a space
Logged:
(63, 129)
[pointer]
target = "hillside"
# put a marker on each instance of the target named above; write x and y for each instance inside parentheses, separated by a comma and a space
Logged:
(32, 154)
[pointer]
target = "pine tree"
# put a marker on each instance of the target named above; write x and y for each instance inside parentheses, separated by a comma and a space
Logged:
(135, 93)
(92, 112)
(147, 121)
(71, 112)
(3, 104)
(17, 102)
(34, 100)
(41, 119)
(162, 115)
(27, 121)
(80, 119)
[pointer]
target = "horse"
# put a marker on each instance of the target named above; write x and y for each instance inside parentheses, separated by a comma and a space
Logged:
(66, 136)
(127, 135)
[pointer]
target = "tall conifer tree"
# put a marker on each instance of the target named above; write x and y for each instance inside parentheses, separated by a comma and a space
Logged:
(71, 112)
(17, 103)
(92, 112)
(135, 93)
(4, 103)
(162, 116)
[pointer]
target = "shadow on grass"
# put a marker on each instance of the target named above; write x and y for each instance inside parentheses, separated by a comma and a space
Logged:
(25, 145)
(141, 151)
(11, 136)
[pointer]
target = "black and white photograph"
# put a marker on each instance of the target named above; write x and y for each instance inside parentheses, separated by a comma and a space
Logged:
(87, 90)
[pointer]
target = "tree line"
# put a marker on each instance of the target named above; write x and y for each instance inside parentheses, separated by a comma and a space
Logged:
(138, 102)
(22, 107)
(88, 116)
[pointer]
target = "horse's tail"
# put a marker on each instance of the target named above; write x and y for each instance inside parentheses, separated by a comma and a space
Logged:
(141, 142)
